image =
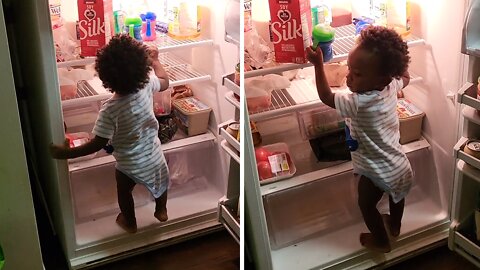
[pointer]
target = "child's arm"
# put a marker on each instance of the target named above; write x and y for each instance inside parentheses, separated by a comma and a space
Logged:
(158, 68)
(406, 80)
(323, 89)
(65, 152)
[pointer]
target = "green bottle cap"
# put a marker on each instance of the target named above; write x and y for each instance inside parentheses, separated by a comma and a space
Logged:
(137, 21)
(323, 33)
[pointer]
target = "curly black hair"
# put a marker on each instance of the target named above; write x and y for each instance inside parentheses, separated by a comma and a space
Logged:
(389, 47)
(123, 65)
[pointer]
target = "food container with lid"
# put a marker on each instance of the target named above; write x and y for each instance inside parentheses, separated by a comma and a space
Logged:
(411, 119)
(192, 115)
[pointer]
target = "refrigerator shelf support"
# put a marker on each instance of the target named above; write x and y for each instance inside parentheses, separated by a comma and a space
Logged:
(344, 42)
(301, 95)
(330, 171)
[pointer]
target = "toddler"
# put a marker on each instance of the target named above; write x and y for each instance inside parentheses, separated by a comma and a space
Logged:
(127, 121)
(377, 72)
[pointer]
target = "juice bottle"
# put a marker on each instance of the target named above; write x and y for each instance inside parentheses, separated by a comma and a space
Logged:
(398, 16)
(321, 12)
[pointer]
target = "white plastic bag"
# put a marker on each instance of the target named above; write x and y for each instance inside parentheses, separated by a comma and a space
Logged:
(258, 90)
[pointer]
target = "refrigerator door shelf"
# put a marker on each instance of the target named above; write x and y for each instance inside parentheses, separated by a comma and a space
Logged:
(164, 43)
(229, 218)
(180, 142)
(230, 139)
(299, 180)
(467, 95)
(228, 81)
(230, 151)
(301, 95)
(344, 42)
(462, 237)
(230, 97)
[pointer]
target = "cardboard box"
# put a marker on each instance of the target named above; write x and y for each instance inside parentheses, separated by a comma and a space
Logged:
(94, 27)
(290, 29)
(411, 119)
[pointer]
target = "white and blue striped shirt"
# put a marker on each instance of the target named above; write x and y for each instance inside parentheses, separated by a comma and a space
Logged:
(373, 122)
(130, 124)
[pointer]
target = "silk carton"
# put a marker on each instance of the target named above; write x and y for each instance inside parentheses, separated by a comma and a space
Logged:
(290, 29)
(94, 27)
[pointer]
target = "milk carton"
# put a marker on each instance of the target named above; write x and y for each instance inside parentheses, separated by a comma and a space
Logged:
(94, 27)
(290, 29)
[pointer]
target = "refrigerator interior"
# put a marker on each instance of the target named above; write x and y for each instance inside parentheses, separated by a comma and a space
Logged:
(310, 211)
(81, 194)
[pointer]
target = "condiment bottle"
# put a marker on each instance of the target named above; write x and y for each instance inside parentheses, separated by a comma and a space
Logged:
(323, 36)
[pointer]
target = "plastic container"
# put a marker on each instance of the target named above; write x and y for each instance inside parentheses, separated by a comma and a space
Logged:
(323, 36)
(321, 12)
(148, 26)
(78, 139)
(183, 19)
(133, 26)
(192, 115)
(278, 160)
(162, 102)
(411, 119)
(318, 122)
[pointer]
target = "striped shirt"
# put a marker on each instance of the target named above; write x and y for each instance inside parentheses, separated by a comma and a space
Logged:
(130, 124)
(373, 122)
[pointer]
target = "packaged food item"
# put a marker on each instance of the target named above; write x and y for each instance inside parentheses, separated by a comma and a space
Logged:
(398, 16)
(256, 137)
(78, 139)
(290, 26)
(341, 13)
(411, 119)
(95, 25)
(274, 163)
(162, 103)
(192, 115)
(321, 12)
(233, 129)
(258, 91)
(319, 121)
(472, 147)
(237, 74)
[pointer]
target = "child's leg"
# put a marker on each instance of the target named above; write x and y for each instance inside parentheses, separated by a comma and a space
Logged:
(126, 218)
(396, 214)
(368, 197)
(161, 207)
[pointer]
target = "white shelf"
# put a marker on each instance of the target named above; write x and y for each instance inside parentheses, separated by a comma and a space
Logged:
(228, 81)
(471, 114)
(164, 43)
(170, 146)
(230, 151)
(344, 42)
(229, 221)
(465, 98)
(229, 138)
(230, 97)
(178, 70)
(330, 171)
(301, 95)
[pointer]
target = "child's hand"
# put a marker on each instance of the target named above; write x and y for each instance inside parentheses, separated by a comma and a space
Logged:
(153, 52)
(315, 57)
(58, 151)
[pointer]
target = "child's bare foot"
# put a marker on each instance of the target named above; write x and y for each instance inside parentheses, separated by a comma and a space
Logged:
(161, 215)
(128, 227)
(367, 240)
(392, 229)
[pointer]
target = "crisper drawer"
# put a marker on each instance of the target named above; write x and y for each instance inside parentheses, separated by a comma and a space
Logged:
(94, 192)
(195, 181)
(317, 207)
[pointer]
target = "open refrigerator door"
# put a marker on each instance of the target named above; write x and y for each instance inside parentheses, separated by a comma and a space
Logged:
(311, 219)
(65, 95)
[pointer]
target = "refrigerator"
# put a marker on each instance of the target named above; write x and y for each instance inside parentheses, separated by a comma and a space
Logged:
(81, 195)
(311, 219)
